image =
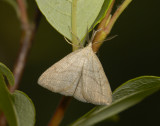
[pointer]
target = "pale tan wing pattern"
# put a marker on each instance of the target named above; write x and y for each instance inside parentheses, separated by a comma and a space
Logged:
(63, 76)
(93, 86)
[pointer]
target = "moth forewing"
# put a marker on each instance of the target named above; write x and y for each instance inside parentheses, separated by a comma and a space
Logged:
(61, 77)
(96, 88)
(79, 74)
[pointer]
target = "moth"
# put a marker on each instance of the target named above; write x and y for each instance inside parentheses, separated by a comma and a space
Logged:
(81, 75)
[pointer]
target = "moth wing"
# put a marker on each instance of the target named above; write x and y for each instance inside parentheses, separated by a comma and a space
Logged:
(63, 76)
(93, 86)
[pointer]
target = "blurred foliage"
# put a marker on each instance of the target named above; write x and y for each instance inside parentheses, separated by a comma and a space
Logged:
(17, 106)
(133, 53)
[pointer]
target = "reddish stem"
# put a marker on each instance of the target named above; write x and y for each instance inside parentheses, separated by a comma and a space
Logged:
(28, 34)
(2, 120)
(23, 13)
(99, 36)
(59, 113)
(106, 28)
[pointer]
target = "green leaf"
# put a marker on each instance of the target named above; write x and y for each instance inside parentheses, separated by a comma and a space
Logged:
(17, 107)
(58, 14)
(13, 4)
(6, 104)
(25, 108)
(6, 72)
(127, 95)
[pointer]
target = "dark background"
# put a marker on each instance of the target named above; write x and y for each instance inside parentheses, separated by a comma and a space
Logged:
(135, 52)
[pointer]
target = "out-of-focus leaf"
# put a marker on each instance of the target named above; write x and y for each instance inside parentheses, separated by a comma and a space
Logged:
(13, 3)
(58, 14)
(6, 72)
(25, 108)
(17, 107)
(6, 104)
(127, 95)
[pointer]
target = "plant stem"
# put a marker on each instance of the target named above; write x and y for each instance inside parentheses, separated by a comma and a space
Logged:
(23, 13)
(2, 120)
(99, 36)
(28, 34)
(103, 22)
(106, 29)
(64, 102)
(59, 113)
(74, 24)
(116, 15)
(61, 108)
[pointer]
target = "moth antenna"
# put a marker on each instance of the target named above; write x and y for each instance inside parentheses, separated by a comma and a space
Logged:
(74, 34)
(94, 33)
(70, 42)
(110, 38)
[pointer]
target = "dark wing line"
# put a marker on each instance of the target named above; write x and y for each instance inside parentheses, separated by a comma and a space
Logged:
(73, 82)
(92, 62)
(82, 90)
(84, 94)
(78, 80)
(98, 72)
